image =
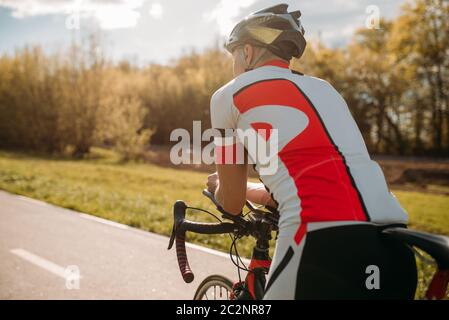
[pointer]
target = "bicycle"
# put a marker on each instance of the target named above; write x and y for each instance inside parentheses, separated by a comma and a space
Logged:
(260, 224)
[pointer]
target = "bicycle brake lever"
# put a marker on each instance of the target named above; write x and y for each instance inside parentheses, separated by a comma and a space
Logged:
(211, 197)
(172, 237)
(237, 219)
(178, 217)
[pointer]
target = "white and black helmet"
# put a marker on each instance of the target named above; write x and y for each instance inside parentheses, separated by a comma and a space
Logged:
(274, 28)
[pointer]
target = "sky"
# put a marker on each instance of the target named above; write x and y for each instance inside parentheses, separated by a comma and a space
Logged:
(157, 31)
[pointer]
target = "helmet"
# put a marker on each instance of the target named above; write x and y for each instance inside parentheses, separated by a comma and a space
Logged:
(273, 28)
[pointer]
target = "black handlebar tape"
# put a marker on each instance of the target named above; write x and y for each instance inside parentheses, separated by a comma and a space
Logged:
(181, 226)
(208, 228)
(179, 211)
(205, 228)
(181, 254)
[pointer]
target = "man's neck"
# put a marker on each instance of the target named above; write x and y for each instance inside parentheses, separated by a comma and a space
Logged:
(276, 62)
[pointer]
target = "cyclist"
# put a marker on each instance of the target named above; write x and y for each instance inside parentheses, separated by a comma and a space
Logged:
(332, 198)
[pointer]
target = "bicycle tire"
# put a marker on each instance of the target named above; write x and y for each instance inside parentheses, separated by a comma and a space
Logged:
(210, 281)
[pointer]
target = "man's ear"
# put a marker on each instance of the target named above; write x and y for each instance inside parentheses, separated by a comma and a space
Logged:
(249, 53)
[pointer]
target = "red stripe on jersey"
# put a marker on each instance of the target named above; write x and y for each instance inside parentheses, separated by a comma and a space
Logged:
(263, 129)
(323, 181)
(300, 233)
(276, 63)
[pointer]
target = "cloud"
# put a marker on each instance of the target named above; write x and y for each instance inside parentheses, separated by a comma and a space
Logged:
(25, 8)
(156, 10)
(340, 35)
(226, 13)
(110, 14)
(117, 16)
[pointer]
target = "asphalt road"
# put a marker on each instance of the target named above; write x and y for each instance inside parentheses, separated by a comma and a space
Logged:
(47, 252)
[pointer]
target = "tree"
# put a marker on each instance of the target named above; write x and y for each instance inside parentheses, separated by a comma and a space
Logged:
(420, 42)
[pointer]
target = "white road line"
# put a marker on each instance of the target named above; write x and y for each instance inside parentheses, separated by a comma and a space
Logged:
(40, 262)
(104, 221)
(33, 201)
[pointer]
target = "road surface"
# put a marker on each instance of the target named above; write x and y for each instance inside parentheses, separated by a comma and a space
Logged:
(47, 252)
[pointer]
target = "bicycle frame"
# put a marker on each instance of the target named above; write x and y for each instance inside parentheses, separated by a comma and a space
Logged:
(254, 284)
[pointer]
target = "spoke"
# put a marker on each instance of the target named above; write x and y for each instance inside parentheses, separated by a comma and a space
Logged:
(220, 295)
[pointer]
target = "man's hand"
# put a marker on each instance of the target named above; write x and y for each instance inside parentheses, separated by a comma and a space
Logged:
(212, 182)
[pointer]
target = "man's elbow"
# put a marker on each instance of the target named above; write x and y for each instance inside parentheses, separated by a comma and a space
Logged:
(231, 201)
(233, 207)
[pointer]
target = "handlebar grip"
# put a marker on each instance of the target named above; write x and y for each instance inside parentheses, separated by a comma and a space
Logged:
(179, 211)
(181, 254)
(180, 226)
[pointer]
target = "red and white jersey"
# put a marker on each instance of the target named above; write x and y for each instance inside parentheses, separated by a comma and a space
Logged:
(324, 170)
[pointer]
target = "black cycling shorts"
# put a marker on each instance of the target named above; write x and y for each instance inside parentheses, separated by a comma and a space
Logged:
(341, 261)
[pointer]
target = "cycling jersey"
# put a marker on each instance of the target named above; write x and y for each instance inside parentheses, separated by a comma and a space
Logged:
(324, 170)
(325, 180)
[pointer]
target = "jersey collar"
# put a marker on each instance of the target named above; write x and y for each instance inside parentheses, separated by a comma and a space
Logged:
(276, 63)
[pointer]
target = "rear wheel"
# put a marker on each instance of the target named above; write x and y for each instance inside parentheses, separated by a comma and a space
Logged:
(214, 287)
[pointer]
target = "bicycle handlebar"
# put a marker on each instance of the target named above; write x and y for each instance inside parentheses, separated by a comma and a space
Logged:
(180, 227)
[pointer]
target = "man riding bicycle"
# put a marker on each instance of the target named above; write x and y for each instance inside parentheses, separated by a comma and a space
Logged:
(332, 198)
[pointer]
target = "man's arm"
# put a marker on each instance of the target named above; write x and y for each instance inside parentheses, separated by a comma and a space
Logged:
(257, 193)
(232, 174)
(231, 190)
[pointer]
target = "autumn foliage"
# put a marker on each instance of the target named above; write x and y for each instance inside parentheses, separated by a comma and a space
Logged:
(395, 80)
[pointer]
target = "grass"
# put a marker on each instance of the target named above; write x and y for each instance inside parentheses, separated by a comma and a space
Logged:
(142, 195)
(427, 212)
